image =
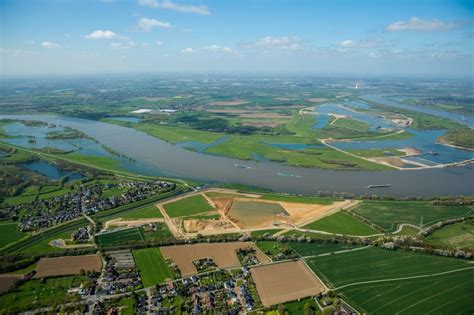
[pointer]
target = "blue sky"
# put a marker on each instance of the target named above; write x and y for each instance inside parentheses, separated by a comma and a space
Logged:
(403, 38)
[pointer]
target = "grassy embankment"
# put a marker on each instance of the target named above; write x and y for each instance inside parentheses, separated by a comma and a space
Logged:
(454, 235)
(389, 214)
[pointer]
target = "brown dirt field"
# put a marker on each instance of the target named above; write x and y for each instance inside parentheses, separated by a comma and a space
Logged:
(280, 283)
(67, 265)
(228, 103)
(223, 254)
(300, 213)
(7, 282)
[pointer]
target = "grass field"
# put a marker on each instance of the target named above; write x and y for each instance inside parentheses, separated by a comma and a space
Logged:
(127, 305)
(9, 233)
(456, 235)
(162, 231)
(151, 266)
(352, 124)
(388, 214)
(300, 199)
(121, 237)
(377, 264)
(342, 223)
(147, 212)
(272, 248)
(188, 206)
(445, 294)
(39, 243)
(310, 249)
(35, 294)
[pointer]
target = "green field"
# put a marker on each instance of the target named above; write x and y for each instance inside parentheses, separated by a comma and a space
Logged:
(310, 249)
(147, 212)
(376, 264)
(162, 231)
(188, 206)
(352, 124)
(151, 266)
(298, 199)
(127, 305)
(342, 223)
(39, 243)
(121, 237)
(272, 247)
(35, 294)
(252, 213)
(9, 233)
(388, 214)
(444, 294)
(454, 235)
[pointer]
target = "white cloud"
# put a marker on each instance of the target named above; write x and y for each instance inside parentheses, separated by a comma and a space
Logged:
(146, 24)
(30, 42)
(129, 44)
(189, 51)
(158, 43)
(347, 43)
(219, 49)
(101, 34)
(170, 5)
(148, 3)
(50, 45)
(417, 24)
(284, 42)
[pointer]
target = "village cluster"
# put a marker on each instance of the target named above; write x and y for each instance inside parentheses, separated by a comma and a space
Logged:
(48, 212)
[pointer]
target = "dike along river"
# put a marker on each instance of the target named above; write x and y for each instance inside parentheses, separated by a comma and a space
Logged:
(156, 157)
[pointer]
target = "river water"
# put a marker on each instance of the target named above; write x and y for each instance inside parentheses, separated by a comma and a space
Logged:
(156, 157)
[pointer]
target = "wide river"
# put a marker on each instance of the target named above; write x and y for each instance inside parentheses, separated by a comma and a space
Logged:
(156, 157)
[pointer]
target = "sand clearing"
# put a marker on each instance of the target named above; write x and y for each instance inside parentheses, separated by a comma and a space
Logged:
(67, 265)
(208, 227)
(410, 151)
(280, 283)
(130, 223)
(223, 254)
(317, 100)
